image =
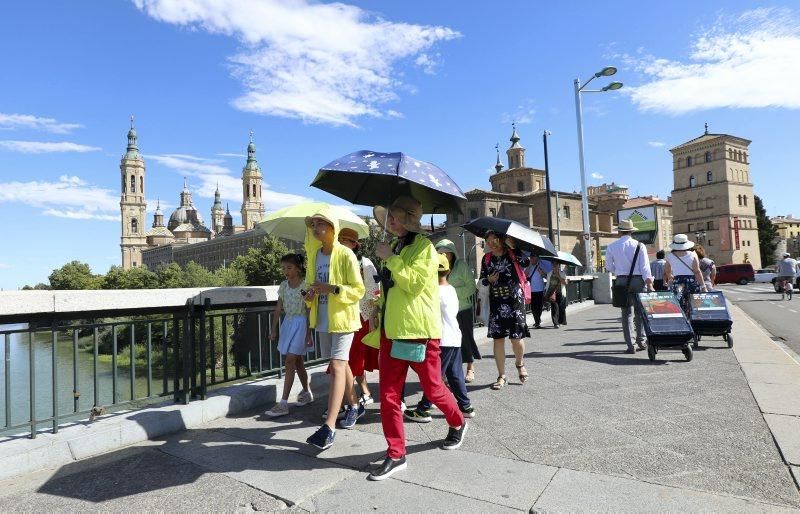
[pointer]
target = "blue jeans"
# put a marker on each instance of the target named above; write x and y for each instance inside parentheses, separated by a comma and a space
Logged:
(453, 371)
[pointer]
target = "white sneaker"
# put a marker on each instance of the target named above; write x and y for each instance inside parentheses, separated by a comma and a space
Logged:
(304, 398)
(366, 399)
(403, 407)
(280, 409)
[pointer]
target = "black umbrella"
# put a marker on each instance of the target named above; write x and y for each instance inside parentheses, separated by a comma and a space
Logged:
(377, 178)
(526, 238)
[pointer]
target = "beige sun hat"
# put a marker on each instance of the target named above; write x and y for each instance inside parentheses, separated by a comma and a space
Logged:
(681, 242)
(405, 209)
(626, 226)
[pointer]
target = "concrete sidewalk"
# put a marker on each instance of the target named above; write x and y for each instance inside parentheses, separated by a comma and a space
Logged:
(592, 429)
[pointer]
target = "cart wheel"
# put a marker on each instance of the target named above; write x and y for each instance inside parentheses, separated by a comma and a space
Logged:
(687, 352)
(651, 352)
(729, 338)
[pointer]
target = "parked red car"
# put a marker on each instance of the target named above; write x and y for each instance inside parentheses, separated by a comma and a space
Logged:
(735, 274)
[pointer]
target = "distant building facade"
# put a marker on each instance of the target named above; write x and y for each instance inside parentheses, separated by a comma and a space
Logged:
(788, 237)
(185, 237)
(518, 193)
(713, 200)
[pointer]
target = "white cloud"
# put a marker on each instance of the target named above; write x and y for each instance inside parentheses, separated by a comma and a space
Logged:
(597, 176)
(322, 63)
(656, 144)
(237, 155)
(745, 61)
(428, 62)
(46, 147)
(28, 121)
(522, 115)
(4, 265)
(69, 197)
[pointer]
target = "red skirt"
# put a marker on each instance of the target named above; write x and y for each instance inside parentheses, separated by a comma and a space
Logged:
(362, 357)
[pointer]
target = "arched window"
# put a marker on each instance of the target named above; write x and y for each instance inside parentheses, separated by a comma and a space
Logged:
(133, 184)
(709, 177)
(124, 185)
(254, 191)
(688, 161)
(744, 156)
(730, 153)
(141, 185)
(246, 191)
(708, 156)
(692, 181)
(745, 200)
(740, 199)
(520, 186)
(134, 226)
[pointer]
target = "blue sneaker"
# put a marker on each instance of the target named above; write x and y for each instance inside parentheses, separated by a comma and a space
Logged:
(351, 416)
(322, 438)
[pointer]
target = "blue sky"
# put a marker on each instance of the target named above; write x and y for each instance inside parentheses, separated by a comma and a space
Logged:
(441, 81)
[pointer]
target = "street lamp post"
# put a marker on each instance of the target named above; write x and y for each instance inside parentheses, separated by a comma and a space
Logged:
(605, 72)
(547, 187)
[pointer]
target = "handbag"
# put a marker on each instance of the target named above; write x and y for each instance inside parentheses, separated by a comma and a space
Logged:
(619, 293)
(411, 351)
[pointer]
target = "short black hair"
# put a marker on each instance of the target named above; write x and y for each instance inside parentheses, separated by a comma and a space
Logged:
(296, 259)
(660, 254)
(443, 273)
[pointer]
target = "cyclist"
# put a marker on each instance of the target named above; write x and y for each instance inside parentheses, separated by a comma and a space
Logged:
(787, 269)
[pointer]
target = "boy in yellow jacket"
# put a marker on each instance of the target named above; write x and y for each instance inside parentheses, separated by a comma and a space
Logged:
(333, 289)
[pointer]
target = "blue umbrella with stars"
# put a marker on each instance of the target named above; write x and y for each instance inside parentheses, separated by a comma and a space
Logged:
(377, 178)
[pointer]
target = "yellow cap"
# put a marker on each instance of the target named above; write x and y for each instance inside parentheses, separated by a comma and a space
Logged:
(444, 264)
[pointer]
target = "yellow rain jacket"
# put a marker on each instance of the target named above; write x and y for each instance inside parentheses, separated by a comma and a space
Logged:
(412, 303)
(343, 311)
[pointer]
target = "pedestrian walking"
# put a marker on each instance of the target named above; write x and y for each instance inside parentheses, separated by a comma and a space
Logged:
(412, 329)
(627, 259)
(502, 270)
(556, 294)
(450, 347)
(462, 280)
(334, 288)
(538, 271)
(682, 270)
(362, 357)
(657, 270)
(295, 334)
(708, 268)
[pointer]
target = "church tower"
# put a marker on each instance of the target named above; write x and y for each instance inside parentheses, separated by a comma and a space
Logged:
(252, 202)
(515, 153)
(132, 204)
(713, 200)
(217, 213)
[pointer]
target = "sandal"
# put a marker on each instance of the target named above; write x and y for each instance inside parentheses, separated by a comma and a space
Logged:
(500, 383)
(523, 373)
(470, 376)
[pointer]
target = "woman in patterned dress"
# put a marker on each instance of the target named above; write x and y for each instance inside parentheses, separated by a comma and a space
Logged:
(506, 304)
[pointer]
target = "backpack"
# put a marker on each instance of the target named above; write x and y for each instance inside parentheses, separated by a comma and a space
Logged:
(523, 281)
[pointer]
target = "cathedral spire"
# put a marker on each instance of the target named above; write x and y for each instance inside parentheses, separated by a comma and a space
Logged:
(516, 152)
(706, 128)
(514, 136)
(133, 149)
(498, 166)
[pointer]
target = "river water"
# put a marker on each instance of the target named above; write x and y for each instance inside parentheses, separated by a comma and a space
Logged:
(18, 365)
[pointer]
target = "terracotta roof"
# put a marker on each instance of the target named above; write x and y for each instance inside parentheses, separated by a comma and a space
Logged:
(643, 201)
(708, 137)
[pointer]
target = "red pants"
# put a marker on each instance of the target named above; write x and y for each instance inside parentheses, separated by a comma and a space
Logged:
(393, 377)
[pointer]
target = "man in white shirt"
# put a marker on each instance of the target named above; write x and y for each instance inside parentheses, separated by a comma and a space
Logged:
(537, 273)
(619, 259)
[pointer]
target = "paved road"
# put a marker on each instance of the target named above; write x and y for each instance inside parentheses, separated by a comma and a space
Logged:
(781, 318)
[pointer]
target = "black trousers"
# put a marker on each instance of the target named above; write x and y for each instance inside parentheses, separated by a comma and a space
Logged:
(658, 285)
(537, 304)
(469, 348)
(558, 309)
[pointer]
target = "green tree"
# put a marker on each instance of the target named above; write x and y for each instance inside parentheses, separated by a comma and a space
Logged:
(767, 234)
(230, 277)
(195, 275)
(132, 278)
(74, 275)
(262, 266)
(38, 287)
(170, 276)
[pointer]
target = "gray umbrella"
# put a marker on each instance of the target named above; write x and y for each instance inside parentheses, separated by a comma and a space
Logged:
(526, 238)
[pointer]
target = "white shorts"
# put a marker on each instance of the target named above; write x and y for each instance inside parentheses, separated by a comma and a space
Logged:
(334, 345)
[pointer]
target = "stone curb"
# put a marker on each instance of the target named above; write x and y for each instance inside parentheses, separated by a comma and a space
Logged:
(773, 375)
(22, 455)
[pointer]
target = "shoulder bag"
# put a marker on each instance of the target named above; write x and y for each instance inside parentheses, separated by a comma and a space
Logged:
(619, 293)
